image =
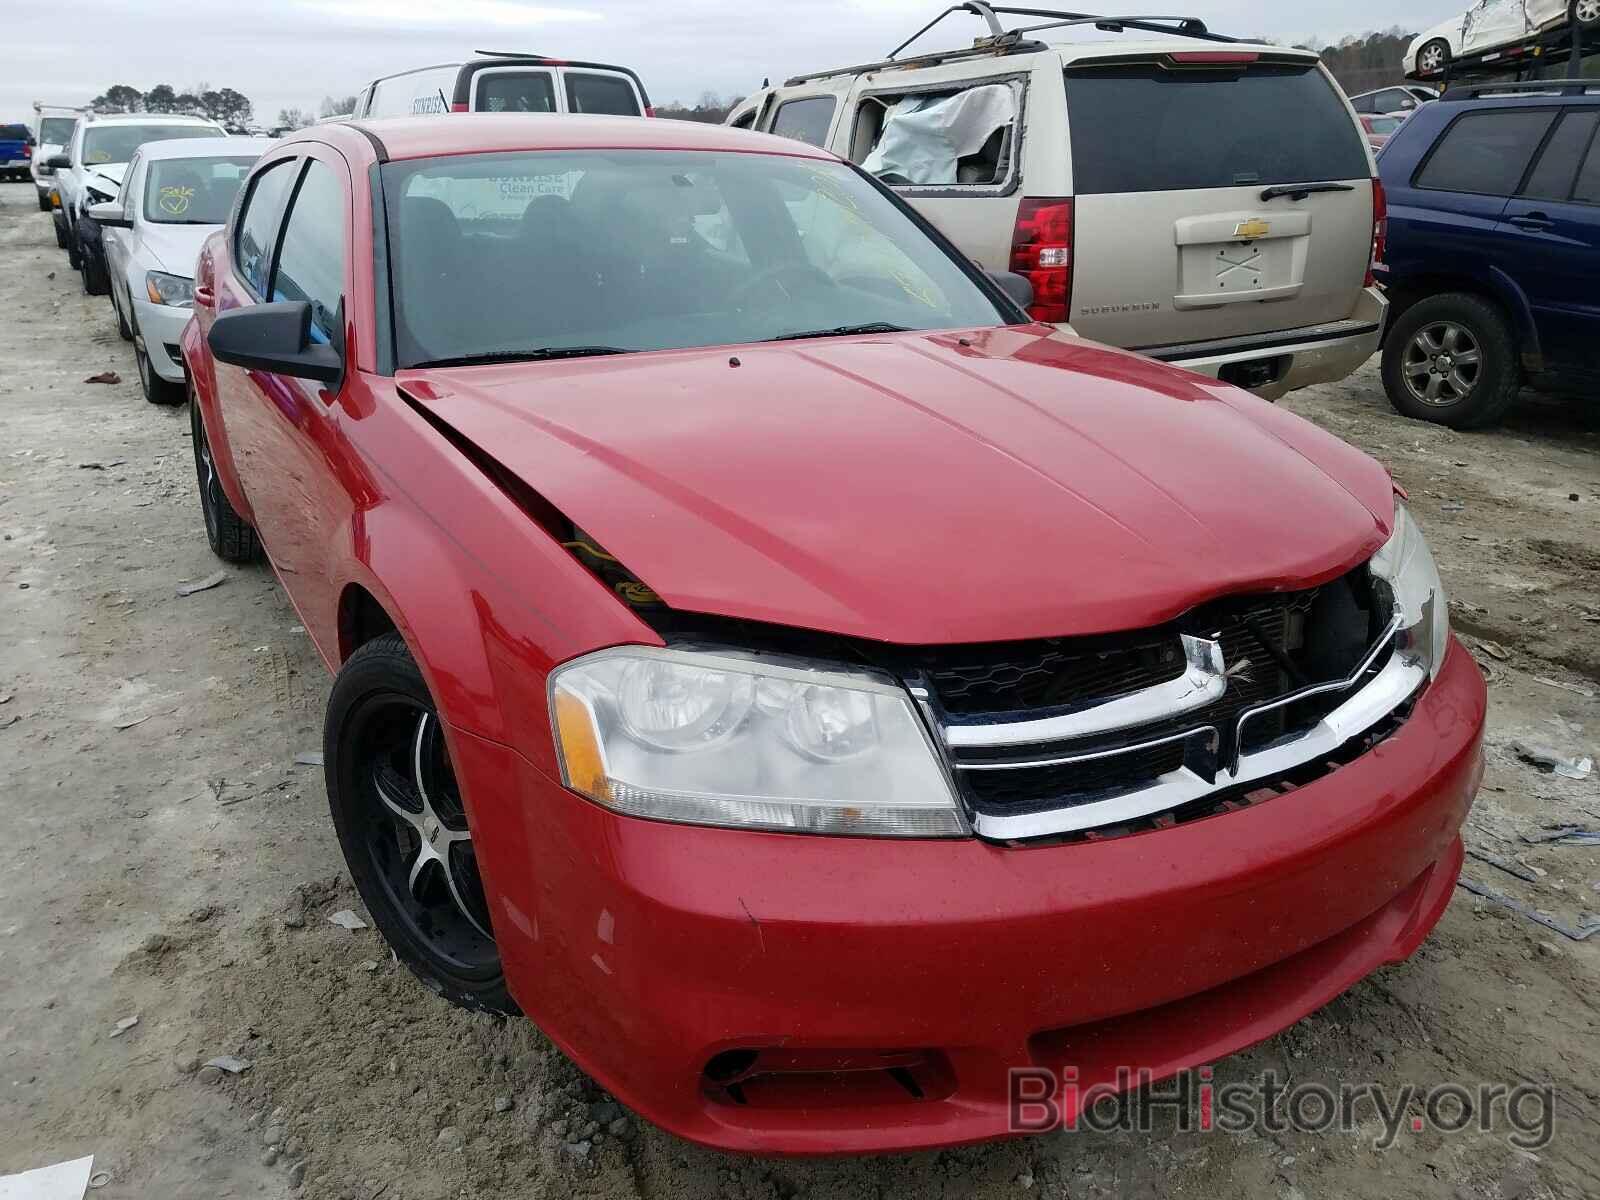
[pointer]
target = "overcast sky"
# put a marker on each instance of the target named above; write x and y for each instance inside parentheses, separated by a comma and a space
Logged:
(293, 52)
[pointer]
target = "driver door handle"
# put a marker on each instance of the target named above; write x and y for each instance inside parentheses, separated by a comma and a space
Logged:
(1533, 220)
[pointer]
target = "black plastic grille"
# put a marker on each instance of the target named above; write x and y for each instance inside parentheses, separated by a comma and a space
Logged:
(1270, 650)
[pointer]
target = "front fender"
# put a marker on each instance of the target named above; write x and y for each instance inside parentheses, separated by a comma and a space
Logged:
(204, 382)
(487, 601)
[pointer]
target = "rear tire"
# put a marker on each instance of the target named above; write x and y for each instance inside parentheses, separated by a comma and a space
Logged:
(44, 202)
(404, 832)
(231, 537)
(1585, 13)
(1433, 57)
(1452, 359)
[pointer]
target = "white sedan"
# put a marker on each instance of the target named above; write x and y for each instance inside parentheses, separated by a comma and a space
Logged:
(174, 195)
(1491, 24)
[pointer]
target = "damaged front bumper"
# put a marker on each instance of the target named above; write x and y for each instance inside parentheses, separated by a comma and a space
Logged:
(785, 994)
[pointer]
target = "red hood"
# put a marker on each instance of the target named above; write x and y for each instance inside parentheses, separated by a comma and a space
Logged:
(910, 489)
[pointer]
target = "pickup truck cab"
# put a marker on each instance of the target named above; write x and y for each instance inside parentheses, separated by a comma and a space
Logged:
(1200, 200)
(51, 135)
(528, 83)
(1493, 250)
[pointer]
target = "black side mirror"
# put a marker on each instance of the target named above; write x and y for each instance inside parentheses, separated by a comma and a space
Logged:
(275, 338)
(1018, 287)
(59, 162)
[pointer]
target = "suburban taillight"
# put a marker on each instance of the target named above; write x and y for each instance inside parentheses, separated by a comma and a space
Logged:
(1380, 229)
(1041, 249)
(458, 106)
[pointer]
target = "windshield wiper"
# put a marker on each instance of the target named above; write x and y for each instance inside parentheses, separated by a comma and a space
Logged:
(841, 330)
(536, 355)
(1299, 191)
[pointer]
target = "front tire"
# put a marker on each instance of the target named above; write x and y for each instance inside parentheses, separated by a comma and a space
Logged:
(95, 280)
(1452, 359)
(67, 238)
(124, 331)
(403, 829)
(156, 389)
(1433, 57)
(1585, 13)
(231, 537)
(44, 201)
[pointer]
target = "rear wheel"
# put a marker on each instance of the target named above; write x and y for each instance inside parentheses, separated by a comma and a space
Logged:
(1433, 57)
(401, 823)
(1586, 13)
(1452, 359)
(231, 537)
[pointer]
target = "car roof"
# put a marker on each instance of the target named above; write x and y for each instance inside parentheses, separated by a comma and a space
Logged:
(1144, 47)
(478, 133)
(147, 119)
(222, 147)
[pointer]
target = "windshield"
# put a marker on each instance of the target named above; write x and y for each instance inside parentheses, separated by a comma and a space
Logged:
(116, 143)
(56, 131)
(512, 254)
(193, 191)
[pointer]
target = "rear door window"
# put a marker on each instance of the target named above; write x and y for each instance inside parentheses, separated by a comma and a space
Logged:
(939, 139)
(1143, 128)
(806, 120)
(589, 92)
(258, 223)
(1552, 176)
(515, 91)
(1587, 190)
(1486, 152)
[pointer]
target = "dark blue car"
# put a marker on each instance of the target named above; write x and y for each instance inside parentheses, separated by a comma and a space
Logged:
(1493, 258)
(16, 150)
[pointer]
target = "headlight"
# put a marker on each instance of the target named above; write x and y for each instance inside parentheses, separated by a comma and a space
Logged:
(712, 738)
(1406, 565)
(173, 290)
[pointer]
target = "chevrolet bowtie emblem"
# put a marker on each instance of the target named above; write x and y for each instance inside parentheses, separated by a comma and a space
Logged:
(1252, 229)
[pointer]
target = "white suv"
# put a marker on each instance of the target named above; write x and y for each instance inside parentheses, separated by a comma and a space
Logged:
(1205, 202)
(90, 171)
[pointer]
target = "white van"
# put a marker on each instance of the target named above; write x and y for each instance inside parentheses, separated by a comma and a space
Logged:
(1203, 201)
(496, 82)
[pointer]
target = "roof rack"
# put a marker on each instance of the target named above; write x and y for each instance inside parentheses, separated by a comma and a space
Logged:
(1559, 87)
(1002, 41)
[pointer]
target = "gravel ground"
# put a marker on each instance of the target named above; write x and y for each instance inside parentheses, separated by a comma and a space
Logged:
(167, 860)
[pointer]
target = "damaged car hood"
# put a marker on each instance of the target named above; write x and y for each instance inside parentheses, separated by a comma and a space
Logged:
(925, 488)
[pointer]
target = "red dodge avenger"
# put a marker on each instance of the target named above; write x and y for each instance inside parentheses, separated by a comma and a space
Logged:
(812, 691)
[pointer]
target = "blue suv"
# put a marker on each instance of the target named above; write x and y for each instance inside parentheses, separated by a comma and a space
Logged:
(1493, 258)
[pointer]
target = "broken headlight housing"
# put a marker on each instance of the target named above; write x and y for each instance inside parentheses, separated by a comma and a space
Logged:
(1407, 566)
(711, 737)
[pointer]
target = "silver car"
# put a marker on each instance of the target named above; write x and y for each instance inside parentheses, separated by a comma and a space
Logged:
(1202, 201)
(175, 194)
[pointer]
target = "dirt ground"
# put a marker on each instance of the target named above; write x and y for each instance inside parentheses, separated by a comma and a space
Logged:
(168, 860)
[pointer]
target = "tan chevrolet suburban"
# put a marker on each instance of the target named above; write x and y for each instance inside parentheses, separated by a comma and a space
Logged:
(1203, 201)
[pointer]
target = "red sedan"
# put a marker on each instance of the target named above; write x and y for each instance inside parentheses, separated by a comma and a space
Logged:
(801, 684)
